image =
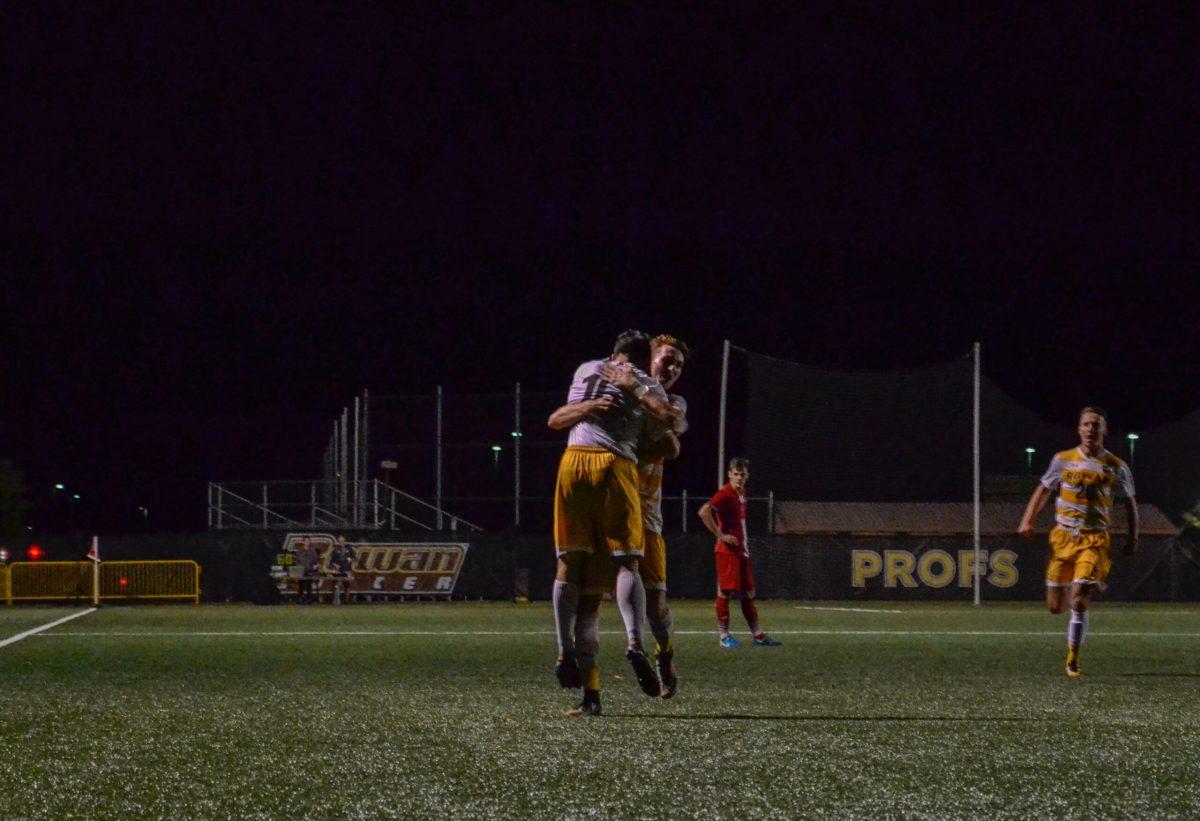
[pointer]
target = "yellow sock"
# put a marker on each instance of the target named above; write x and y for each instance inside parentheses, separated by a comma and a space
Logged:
(1072, 653)
(591, 679)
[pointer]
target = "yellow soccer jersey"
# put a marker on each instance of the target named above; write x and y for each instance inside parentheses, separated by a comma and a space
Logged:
(1086, 486)
(650, 479)
(650, 476)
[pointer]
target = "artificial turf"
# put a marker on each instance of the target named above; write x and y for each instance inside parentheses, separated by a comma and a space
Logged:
(451, 710)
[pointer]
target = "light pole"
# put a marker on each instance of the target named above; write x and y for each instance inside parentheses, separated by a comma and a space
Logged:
(495, 456)
(1132, 437)
(1029, 459)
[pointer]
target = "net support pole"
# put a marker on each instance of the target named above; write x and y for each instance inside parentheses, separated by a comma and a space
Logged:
(516, 437)
(437, 458)
(683, 511)
(976, 475)
(721, 418)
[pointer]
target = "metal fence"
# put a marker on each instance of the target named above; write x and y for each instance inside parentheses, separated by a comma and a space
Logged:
(101, 581)
(370, 505)
(375, 505)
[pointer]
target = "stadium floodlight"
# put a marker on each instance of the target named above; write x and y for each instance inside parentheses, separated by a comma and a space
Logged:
(495, 456)
(75, 496)
(516, 434)
(1029, 459)
(60, 486)
(1132, 437)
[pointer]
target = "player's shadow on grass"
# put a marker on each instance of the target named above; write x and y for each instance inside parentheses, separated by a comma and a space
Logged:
(750, 717)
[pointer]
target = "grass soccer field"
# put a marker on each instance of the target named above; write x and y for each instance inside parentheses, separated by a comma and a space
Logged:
(451, 710)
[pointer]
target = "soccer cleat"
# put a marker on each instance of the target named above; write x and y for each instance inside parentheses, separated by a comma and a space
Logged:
(566, 669)
(730, 643)
(1073, 670)
(767, 641)
(666, 672)
(590, 706)
(647, 678)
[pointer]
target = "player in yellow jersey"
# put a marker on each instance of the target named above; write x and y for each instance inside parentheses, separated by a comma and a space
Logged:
(597, 513)
(1087, 479)
(658, 443)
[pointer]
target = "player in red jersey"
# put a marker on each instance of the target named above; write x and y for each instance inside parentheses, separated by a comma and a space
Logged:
(725, 517)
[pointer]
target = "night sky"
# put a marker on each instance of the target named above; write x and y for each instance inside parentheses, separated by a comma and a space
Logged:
(220, 222)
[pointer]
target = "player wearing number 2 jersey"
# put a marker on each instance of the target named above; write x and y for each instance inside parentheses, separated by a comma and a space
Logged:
(1087, 479)
(597, 516)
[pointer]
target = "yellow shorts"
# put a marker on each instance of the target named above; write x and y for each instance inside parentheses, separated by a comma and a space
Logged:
(1081, 558)
(653, 565)
(596, 504)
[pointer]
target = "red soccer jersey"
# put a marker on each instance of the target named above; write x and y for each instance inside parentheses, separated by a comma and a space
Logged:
(730, 507)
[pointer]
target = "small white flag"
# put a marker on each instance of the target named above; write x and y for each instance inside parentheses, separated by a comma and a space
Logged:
(94, 551)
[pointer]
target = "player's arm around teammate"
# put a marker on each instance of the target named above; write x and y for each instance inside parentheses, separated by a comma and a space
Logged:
(568, 415)
(622, 376)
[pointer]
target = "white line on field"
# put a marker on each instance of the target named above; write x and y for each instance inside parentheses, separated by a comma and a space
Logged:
(36, 630)
(848, 609)
(394, 633)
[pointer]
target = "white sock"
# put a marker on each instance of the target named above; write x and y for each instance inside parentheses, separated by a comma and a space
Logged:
(631, 601)
(1076, 628)
(566, 604)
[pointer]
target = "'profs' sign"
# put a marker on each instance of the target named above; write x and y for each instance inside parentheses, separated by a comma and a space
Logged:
(934, 568)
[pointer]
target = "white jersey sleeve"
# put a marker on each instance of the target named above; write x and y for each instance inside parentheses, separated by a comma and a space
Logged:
(1125, 481)
(1052, 478)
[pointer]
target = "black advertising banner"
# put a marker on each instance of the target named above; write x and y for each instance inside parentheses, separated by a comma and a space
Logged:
(369, 567)
(915, 568)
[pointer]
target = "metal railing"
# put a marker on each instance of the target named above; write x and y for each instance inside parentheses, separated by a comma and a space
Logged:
(100, 581)
(367, 505)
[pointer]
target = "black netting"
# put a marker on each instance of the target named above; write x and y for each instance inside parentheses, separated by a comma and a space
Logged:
(816, 434)
(1166, 468)
(823, 435)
